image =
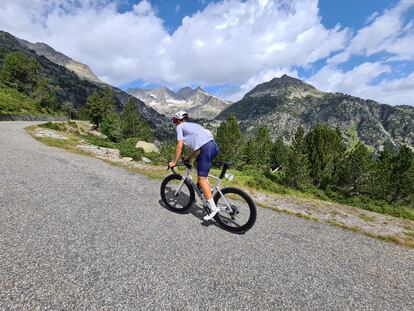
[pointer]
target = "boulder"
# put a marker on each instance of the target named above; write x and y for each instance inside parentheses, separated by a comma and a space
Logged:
(41, 132)
(148, 147)
(126, 159)
(145, 160)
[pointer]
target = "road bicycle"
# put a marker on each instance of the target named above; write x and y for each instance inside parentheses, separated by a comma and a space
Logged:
(237, 209)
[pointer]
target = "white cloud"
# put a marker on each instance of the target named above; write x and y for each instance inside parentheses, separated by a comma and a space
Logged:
(359, 82)
(384, 32)
(230, 42)
(355, 81)
(227, 42)
(389, 33)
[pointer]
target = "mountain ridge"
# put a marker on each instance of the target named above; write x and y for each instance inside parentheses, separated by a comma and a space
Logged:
(75, 90)
(42, 49)
(197, 102)
(285, 103)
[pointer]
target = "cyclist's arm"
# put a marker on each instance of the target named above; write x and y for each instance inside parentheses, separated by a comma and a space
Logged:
(191, 155)
(178, 150)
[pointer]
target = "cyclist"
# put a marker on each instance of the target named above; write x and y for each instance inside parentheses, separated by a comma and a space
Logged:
(196, 138)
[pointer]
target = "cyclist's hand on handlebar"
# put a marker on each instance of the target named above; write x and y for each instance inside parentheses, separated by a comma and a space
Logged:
(172, 164)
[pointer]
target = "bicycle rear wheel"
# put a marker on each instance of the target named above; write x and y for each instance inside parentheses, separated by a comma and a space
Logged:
(237, 210)
(181, 201)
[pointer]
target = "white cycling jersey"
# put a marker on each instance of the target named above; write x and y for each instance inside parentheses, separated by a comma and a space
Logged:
(193, 135)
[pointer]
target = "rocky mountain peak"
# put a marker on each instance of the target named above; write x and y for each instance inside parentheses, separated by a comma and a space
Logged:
(196, 102)
(285, 83)
(186, 92)
(42, 49)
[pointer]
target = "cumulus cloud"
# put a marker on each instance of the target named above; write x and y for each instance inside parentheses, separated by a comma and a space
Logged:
(388, 33)
(230, 42)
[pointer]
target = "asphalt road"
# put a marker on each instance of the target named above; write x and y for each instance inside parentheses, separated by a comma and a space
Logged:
(78, 233)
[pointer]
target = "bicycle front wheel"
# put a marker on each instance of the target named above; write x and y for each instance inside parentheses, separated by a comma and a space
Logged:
(177, 196)
(237, 210)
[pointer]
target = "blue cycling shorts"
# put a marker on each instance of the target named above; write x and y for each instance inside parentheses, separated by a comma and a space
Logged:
(208, 152)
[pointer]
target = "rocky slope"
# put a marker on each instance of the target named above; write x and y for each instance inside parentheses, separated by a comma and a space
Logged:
(285, 103)
(42, 49)
(196, 102)
(70, 88)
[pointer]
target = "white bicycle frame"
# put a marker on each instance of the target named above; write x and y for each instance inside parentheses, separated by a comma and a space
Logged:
(216, 187)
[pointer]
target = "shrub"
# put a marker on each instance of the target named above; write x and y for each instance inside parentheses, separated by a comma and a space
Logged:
(53, 126)
(127, 149)
(99, 141)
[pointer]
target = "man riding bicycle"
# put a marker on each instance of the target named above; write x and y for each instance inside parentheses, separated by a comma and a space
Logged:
(197, 138)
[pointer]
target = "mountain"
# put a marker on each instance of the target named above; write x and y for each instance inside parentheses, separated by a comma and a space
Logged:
(73, 90)
(285, 103)
(289, 86)
(42, 49)
(196, 102)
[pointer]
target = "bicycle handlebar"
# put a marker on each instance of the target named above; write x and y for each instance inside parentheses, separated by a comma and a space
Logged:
(181, 163)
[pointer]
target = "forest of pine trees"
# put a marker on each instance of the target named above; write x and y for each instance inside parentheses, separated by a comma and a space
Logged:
(321, 159)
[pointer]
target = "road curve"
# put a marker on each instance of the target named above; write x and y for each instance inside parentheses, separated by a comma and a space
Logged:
(78, 233)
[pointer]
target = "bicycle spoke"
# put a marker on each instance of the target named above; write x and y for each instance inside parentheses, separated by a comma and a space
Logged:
(234, 210)
(180, 199)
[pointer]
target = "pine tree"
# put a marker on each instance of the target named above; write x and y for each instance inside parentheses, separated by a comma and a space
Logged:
(297, 169)
(325, 147)
(264, 143)
(257, 149)
(355, 176)
(402, 181)
(99, 105)
(383, 176)
(132, 123)
(44, 93)
(251, 152)
(111, 126)
(20, 72)
(230, 140)
(279, 154)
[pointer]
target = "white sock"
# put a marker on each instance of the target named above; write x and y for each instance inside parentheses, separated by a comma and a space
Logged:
(212, 205)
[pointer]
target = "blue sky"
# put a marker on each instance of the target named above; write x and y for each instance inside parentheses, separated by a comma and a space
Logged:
(361, 47)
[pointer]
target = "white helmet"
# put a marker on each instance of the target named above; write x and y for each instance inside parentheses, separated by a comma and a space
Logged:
(180, 115)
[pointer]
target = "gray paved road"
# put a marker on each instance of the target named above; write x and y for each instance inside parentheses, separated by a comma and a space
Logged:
(77, 233)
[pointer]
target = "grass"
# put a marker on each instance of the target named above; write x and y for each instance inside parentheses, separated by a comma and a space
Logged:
(98, 141)
(14, 102)
(386, 238)
(409, 233)
(367, 218)
(126, 148)
(380, 207)
(54, 126)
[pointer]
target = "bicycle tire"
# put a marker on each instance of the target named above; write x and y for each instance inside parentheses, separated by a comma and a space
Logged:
(243, 196)
(164, 191)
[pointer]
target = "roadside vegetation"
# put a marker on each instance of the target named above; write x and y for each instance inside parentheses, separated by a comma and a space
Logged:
(24, 89)
(317, 165)
(313, 204)
(320, 163)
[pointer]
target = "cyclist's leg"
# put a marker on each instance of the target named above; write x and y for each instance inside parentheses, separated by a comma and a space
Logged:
(208, 153)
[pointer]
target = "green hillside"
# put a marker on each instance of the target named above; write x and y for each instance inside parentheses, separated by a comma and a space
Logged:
(14, 102)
